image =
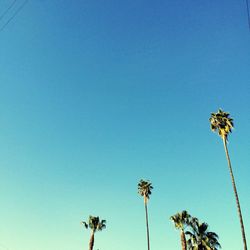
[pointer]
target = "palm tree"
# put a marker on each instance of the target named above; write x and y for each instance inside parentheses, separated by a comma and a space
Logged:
(222, 123)
(199, 238)
(95, 224)
(144, 189)
(181, 220)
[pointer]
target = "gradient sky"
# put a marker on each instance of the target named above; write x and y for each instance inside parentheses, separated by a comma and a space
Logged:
(95, 95)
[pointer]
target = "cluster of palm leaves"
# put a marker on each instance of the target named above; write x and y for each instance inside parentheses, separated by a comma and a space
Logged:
(194, 235)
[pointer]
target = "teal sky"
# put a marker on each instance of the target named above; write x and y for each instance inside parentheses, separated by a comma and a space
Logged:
(95, 95)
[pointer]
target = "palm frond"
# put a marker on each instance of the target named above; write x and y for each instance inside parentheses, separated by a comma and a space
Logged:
(85, 224)
(200, 238)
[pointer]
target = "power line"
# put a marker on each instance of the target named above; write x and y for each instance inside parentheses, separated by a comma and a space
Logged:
(7, 10)
(248, 14)
(14, 15)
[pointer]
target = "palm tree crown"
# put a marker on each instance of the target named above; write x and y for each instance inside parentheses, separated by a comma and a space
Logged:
(222, 123)
(200, 238)
(95, 223)
(144, 189)
(181, 219)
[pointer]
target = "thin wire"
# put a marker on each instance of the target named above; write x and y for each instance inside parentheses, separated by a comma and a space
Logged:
(7, 10)
(248, 14)
(14, 15)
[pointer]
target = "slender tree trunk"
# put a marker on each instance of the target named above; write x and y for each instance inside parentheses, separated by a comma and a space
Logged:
(92, 240)
(146, 211)
(235, 193)
(183, 240)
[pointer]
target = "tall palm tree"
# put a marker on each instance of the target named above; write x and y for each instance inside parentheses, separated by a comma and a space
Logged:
(222, 123)
(181, 220)
(199, 238)
(95, 224)
(144, 189)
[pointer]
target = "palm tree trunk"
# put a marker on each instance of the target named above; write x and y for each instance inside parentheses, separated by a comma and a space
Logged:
(183, 241)
(236, 194)
(146, 210)
(91, 241)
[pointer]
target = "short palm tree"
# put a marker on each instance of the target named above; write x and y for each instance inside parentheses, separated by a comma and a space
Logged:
(199, 238)
(181, 221)
(144, 189)
(223, 124)
(95, 224)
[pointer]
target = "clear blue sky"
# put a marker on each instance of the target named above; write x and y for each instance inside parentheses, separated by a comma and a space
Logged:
(95, 95)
